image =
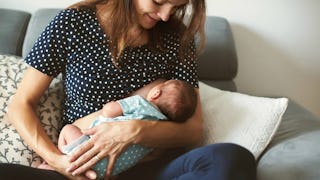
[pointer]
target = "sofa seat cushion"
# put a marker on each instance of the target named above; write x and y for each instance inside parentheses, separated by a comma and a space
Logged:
(12, 148)
(294, 151)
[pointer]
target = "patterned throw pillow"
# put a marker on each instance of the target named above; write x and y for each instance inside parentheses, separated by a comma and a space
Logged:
(12, 148)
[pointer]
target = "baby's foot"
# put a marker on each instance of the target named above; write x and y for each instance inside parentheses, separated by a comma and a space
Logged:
(46, 166)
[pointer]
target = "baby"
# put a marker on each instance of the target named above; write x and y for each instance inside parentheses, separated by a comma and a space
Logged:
(172, 100)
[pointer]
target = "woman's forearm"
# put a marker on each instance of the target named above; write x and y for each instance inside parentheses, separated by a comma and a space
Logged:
(24, 119)
(21, 113)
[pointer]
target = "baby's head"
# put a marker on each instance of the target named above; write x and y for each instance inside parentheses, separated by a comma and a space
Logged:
(175, 98)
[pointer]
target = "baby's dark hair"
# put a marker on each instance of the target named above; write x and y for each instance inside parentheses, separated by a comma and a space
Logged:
(178, 101)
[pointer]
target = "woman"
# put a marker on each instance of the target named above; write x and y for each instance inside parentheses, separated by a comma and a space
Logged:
(107, 49)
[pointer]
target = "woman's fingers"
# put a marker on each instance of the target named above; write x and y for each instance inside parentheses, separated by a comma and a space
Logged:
(108, 140)
(82, 149)
(85, 161)
(110, 165)
(114, 153)
(90, 157)
(86, 165)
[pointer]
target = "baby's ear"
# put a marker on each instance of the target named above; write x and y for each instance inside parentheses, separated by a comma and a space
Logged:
(156, 94)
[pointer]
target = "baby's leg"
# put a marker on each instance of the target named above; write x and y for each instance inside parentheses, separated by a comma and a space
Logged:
(68, 134)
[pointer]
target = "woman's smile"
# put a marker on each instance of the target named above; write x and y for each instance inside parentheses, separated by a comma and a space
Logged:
(151, 21)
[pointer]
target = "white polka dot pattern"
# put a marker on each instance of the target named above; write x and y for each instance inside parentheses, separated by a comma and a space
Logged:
(129, 158)
(75, 45)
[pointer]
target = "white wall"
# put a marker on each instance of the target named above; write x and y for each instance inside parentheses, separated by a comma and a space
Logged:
(278, 44)
(32, 5)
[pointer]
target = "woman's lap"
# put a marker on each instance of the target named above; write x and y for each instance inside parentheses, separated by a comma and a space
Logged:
(16, 171)
(223, 161)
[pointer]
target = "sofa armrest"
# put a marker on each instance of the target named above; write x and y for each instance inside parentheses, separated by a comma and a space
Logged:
(294, 153)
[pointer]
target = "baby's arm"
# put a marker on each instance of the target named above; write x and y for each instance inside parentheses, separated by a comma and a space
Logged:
(68, 134)
(111, 109)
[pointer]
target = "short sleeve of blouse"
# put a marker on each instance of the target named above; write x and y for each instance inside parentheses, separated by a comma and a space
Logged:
(49, 53)
(186, 69)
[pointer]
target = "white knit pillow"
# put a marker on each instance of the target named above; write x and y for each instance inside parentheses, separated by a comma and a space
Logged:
(246, 120)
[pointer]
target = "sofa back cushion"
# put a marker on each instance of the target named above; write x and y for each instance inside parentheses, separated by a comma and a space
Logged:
(218, 61)
(13, 27)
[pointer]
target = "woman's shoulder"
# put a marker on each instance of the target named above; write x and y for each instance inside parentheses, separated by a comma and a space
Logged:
(74, 14)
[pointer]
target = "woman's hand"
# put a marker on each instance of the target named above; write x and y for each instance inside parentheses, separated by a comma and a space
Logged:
(63, 162)
(108, 140)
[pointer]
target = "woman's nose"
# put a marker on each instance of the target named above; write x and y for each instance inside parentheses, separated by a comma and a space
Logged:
(164, 13)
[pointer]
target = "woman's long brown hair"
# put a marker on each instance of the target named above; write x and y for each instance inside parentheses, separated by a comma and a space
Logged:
(121, 16)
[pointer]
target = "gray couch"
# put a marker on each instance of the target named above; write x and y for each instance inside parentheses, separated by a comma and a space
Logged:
(294, 152)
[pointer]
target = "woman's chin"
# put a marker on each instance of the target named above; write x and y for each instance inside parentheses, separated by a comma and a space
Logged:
(148, 26)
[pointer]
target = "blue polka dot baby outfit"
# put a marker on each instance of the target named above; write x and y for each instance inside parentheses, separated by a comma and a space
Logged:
(134, 107)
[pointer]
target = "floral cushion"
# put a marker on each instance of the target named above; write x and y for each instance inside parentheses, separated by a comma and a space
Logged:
(12, 148)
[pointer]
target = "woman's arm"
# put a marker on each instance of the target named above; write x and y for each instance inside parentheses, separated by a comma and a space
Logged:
(109, 110)
(110, 139)
(165, 134)
(22, 115)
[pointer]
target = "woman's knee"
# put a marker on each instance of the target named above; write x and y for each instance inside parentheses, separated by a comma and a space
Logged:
(234, 161)
(229, 149)
(226, 152)
(224, 148)
(224, 161)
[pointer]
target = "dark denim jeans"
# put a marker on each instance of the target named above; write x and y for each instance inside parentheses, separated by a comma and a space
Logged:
(222, 161)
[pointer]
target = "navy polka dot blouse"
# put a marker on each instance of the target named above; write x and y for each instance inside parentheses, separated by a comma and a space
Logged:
(75, 45)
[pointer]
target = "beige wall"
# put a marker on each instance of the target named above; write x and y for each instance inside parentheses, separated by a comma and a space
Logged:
(278, 44)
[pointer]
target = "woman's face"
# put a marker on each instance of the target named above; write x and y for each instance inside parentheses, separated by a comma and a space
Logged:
(149, 12)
